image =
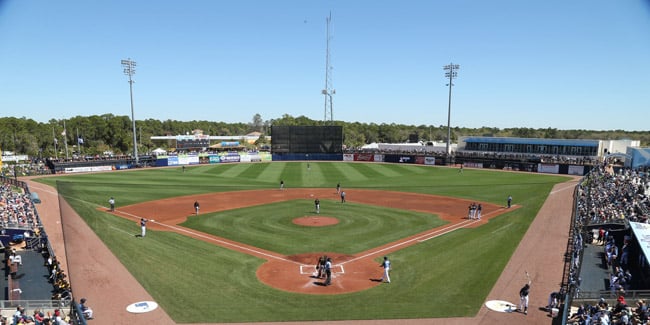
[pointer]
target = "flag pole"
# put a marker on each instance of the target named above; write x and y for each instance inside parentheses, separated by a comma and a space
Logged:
(78, 142)
(65, 140)
(56, 154)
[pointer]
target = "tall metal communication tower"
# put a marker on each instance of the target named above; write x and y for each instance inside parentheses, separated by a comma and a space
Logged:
(328, 91)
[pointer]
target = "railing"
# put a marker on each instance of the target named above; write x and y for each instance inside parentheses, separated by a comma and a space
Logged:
(593, 296)
(32, 304)
(568, 286)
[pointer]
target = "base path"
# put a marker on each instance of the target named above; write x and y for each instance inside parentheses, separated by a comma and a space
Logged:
(297, 273)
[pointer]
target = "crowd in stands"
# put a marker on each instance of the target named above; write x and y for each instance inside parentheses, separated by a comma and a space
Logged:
(37, 317)
(16, 208)
(26, 169)
(483, 155)
(613, 196)
(604, 198)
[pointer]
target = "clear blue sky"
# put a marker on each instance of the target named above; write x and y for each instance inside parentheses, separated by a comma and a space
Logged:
(582, 64)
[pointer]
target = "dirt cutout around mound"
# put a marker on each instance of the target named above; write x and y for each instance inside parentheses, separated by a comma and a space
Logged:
(315, 221)
(297, 273)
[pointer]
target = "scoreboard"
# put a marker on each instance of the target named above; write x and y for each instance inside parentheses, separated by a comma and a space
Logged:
(306, 139)
(192, 142)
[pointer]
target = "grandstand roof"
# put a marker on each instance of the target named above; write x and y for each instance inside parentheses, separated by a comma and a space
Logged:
(534, 141)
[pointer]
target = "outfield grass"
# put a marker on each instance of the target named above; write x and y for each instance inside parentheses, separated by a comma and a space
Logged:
(447, 276)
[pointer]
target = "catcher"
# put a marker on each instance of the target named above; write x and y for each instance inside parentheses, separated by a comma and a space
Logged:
(320, 266)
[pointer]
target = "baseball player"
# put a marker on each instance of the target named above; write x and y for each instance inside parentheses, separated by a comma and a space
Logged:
(320, 266)
(523, 296)
(338, 188)
(328, 271)
(143, 226)
(386, 265)
(317, 205)
(281, 185)
(196, 207)
(111, 201)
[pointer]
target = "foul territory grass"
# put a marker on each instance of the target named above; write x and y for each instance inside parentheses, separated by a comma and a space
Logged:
(447, 276)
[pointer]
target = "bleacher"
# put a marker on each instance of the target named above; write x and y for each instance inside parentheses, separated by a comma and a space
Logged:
(606, 198)
(27, 282)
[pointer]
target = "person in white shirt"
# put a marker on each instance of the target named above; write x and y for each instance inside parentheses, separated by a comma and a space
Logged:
(386, 265)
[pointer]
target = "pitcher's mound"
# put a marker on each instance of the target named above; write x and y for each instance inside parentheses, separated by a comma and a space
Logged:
(315, 221)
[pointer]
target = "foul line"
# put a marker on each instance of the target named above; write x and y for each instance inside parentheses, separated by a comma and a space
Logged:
(222, 242)
(122, 230)
(198, 234)
(418, 239)
(570, 187)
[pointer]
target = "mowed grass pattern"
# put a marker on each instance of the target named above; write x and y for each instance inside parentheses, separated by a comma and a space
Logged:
(270, 226)
(447, 276)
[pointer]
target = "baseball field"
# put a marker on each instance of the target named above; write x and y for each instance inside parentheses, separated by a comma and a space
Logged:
(249, 255)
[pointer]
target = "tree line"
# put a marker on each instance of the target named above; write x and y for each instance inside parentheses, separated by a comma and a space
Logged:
(96, 134)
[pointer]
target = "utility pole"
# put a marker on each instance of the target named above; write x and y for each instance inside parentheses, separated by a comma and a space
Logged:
(129, 70)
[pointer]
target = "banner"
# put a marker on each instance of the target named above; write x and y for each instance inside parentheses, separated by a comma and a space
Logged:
(231, 157)
(576, 170)
(429, 160)
(348, 157)
(88, 169)
(364, 157)
(642, 233)
(473, 164)
(214, 159)
(548, 168)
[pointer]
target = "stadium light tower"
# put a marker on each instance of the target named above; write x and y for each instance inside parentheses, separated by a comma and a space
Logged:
(129, 70)
(328, 91)
(451, 73)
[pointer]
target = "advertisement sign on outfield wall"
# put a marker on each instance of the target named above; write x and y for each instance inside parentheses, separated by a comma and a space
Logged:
(473, 164)
(88, 169)
(379, 158)
(231, 157)
(348, 157)
(548, 168)
(576, 170)
(172, 161)
(364, 157)
(429, 160)
(402, 159)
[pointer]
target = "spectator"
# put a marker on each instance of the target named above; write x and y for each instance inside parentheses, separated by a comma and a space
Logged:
(87, 311)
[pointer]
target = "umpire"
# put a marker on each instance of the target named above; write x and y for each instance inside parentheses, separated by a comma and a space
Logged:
(328, 271)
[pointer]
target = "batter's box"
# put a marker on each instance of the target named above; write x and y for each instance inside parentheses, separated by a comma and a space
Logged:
(311, 269)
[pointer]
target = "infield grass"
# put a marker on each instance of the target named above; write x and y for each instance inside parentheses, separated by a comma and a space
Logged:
(447, 276)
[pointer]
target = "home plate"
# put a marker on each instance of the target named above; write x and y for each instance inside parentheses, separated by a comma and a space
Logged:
(501, 306)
